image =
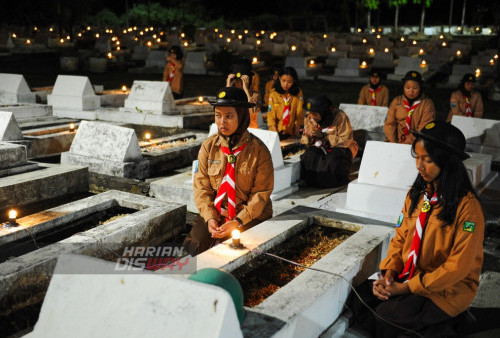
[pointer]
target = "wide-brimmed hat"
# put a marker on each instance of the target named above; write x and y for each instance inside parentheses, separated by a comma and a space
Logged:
(469, 77)
(241, 69)
(413, 75)
(445, 135)
(317, 103)
(374, 73)
(231, 97)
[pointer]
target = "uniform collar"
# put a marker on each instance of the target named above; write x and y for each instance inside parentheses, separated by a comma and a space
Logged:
(245, 138)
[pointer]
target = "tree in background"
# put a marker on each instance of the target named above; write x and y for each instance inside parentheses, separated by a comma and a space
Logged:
(371, 5)
(396, 4)
(425, 4)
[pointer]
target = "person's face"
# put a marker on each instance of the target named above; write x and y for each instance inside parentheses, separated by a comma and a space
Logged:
(226, 119)
(411, 89)
(469, 86)
(315, 116)
(425, 166)
(374, 80)
(286, 82)
(275, 76)
(172, 56)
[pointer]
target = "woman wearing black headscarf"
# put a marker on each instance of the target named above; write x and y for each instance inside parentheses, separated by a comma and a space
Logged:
(328, 136)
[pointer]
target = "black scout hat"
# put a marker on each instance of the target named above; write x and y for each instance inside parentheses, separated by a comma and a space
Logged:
(446, 135)
(232, 97)
(242, 69)
(412, 75)
(469, 77)
(177, 51)
(317, 103)
(374, 73)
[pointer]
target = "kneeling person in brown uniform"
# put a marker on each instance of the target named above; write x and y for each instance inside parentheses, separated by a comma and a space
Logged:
(235, 178)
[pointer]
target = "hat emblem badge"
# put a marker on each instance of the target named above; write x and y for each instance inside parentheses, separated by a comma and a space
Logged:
(222, 94)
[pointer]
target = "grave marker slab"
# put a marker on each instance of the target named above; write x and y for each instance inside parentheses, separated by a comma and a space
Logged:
(74, 93)
(482, 135)
(457, 72)
(9, 129)
(186, 307)
(15, 89)
(405, 64)
(383, 60)
(156, 59)
(195, 63)
(107, 149)
(150, 96)
(347, 67)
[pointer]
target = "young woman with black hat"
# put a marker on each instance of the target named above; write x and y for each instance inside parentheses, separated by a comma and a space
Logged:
(412, 110)
(466, 101)
(374, 93)
(285, 113)
(235, 178)
(331, 148)
(431, 272)
(244, 77)
(173, 71)
(273, 77)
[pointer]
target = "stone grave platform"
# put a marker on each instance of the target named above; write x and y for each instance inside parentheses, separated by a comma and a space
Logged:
(366, 121)
(23, 182)
(347, 70)
(312, 301)
(14, 89)
(149, 221)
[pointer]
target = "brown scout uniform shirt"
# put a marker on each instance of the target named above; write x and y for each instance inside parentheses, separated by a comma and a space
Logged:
(177, 82)
(381, 97)
(451, 256)
(341, 134)
(457, 105)
(267, 91)
(275, 114)
(396, 119)
(254, 173)
(254, 111)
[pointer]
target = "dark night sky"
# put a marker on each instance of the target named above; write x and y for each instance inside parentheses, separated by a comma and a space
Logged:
(479, 12)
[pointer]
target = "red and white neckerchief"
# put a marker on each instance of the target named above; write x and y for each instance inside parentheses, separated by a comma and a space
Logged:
(411, 263)
(228, 183)
(286, 111)
(468, 111)
(372, 92)
(410, 111)
(319, 143)
(172, 72)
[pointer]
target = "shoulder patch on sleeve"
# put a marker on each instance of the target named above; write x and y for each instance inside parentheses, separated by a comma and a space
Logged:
(469, 226)
(453, 104)
(400, 220)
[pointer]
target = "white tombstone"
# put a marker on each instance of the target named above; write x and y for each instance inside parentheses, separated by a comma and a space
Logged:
(73, 92)
(195, 63)
(150, 96)
(405, 64)
(103, 45)
(365, 117)
(457, 73)
(156, 59)
(383, 60)
(347, 67)
(140, 53)
(107, 149)
(299, 63)
(386, 173)
(483, 135)
(14, 89)
(9, 129)
(84, 290)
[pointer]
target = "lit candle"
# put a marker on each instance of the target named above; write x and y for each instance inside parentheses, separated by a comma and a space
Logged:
(492, 62)
(240, 36)
(333, 49)
(124, 88)
(495, 57)
(258, 42)
(232, 31)
(235, 234)
(386, 50)
(216, 30)
(421, 51)
(183, 35)
(359, 30)
(228, 40)
(110, 55)
(88, 28)
(414, 42)
(159, 40)
(402, 39)
(200, 99)
(311, 62)
(28, 41)
(294, 48)
(371, 51)
(325, 36)
(459, 53)
(255, 60)
(61, 41)
(444, 44)
(14, 35)
(147, 136)
(365, 41)
(246, 31)
(478, 72)
(12, 217)
(363, 64)
(423, 64)
(71, 127)
(186, 44)
(441, 36)
(97, 35)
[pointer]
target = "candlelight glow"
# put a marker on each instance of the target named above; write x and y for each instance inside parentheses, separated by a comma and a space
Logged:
(443, 44)
(141, 33)
(221, 35)
(423, 64)
(51, 29)
(293, 48)
(325, 36)
(421, 51)
(183, 35)
(118, 48)
(259, 42)
(61, 41)
(459, 52)
(200, 99)
(186, 44)
(373, 30)
(246, 31)
(158, 40)
(124, 88)
(478, 72)
(441, 36)
(495, 57)
(147, 29)
(28, 42)
(311, 62)
(359, 30)
(232, 31)
(363, 64)
(365, 41)
(333, 49)
(402, 39)
(12, 214)
(79, 35)
(262, 32)
(147, 136)
(255, 60)
(88, 28)
(97, 35)
(67, 37)
(459, 28)
(378, 36)
(124, 31)
(35, 28)
(228, 40)
(216, 30)
(154, 36)
(149, 43)
(240, 36)
(414, 42)
(386, 50)
(135, 28)
(235, 234)
(110, 55)
(371, 51)
(14, 35)
(71, 127)
(492, 62)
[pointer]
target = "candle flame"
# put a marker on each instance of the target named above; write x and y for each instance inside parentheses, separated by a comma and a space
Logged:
(12, 214)
(200, 99)
(124, 88)
(235, 234)
(147, 136)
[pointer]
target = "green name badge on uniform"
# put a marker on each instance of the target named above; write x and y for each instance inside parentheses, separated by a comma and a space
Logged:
(469, 226)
